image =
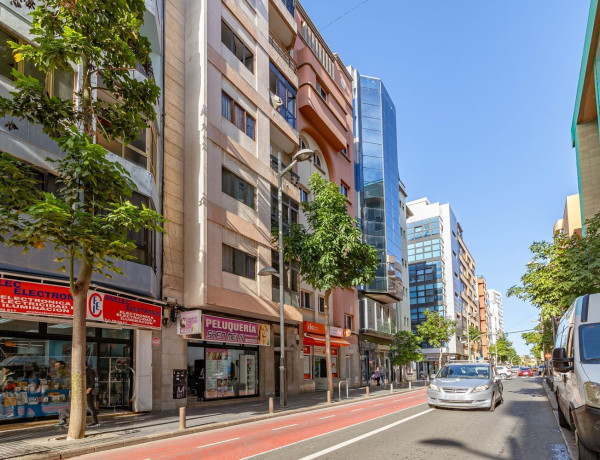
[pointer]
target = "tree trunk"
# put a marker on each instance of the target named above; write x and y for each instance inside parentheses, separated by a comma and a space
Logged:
(78, 354)
(328, 345)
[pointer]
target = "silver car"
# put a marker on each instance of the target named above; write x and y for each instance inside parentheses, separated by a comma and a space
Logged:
(466, 386)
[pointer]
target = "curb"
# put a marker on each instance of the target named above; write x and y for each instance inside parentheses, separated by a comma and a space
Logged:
(77, 451)
(554, 406)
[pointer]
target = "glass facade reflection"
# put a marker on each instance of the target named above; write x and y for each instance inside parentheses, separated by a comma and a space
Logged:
(377, 179)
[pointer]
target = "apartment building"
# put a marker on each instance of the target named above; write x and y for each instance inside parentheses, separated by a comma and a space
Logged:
(584, 127)
(324, 124)
(377, 186)
(484, 306)
(119, 349)
(469, 296)
(403, 311)
(496, 316)
(570, 224)
(441, 275)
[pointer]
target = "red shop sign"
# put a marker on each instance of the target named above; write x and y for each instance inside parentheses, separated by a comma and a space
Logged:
(56, 301)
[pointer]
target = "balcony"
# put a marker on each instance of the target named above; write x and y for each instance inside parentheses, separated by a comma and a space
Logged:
(289, 60)
(282, 22)
(293, 177)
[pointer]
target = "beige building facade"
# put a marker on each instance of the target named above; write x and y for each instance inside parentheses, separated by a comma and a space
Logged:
(570, 223)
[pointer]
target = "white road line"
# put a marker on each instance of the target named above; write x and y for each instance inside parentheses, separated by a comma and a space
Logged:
(329, 432)
(380, 404)
(360, 408)
(361, 437)
(215, 443)
(327, 416)
(282, 427)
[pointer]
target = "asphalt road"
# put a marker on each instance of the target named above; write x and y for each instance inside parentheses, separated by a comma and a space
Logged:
(400, 426)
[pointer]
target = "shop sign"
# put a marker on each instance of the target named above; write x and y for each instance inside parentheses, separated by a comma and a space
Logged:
(219, 329)
(155, 341)
(319, 328)
(306, 349)
(320, 351)
(189, 322)
(56, 301)
(383, 348)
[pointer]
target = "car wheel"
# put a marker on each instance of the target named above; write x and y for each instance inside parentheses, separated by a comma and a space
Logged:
(493, 405)
(562, 420)
(583, 451)
(503, 376)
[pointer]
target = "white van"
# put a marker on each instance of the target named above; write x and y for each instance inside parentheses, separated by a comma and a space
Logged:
(576, 362)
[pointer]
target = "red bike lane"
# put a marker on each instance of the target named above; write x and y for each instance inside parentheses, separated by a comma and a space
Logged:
(258, 437)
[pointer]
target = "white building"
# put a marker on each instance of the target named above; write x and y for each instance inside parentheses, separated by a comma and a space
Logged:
(403, 311)
(496, 315)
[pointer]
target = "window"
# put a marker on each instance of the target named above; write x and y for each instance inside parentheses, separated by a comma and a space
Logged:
(280, 86)
(289, 207)
(237, 46)
(145, 239)
(140, 151)
(291, 281)
(321, 304)
(345, 151)
(7, 61)
(321, 92)
(237, 115)
(347, 322)
(344, 190)
(303, 195)
(317, 160)
(305, 300)
(238, 262)
(238, 188)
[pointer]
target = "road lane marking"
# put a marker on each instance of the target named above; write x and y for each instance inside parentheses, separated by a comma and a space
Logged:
(215, 443)
(354, 410)
(332, 431)
(381, 404)
(327, 416)
(363, 436)
(282, 427)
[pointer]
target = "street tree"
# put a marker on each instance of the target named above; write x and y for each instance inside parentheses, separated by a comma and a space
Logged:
(87, 220)
(436, 330)
(405, 349)
(503, 348)
(329, 250)
(474, 336)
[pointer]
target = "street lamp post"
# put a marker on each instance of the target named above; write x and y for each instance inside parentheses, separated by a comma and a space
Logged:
(301, 155)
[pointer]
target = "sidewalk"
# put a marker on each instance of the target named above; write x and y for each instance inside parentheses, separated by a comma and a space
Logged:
(115, 431)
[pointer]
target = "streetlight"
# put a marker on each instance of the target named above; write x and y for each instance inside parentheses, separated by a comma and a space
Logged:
(301, 155)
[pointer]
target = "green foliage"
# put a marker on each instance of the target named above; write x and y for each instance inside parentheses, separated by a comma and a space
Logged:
(436, 329)
(406, 348)
(504, 350)
(330, 251)
(474, 334)
(561, 271)
(541, 339)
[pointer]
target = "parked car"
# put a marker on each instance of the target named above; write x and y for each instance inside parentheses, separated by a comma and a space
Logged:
(465, 386)
(525, 372)
(576, 370)
(542, 369)
(503, 372)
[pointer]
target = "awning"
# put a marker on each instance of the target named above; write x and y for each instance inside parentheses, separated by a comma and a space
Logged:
(319, 341)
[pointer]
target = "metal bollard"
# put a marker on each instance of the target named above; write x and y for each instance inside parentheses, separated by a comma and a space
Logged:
(391, 387)
(367, 393)
(409, 384)
(328, 397)
(270, 404)
(182, 418)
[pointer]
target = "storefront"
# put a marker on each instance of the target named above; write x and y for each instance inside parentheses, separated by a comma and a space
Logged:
(223, 357)
(313, 352)
(35, 349)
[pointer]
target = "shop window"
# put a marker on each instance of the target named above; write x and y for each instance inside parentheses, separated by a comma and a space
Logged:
(237, 46)
(123, 334)
(238, 262)
(234, 113)
(305, 300)
(238, 188)
(321, 304)
(17, 325)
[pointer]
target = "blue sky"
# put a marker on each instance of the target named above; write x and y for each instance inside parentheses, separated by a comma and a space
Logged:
(484, 94)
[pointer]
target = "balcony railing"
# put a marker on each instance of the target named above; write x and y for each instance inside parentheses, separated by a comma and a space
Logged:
(294, 178)
(289, 4)
(285, 55)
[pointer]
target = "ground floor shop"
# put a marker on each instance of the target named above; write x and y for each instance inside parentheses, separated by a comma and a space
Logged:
(376, 356)
(36, 347)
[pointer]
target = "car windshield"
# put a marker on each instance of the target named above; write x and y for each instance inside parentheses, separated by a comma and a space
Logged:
(590, 342)
(462, 371)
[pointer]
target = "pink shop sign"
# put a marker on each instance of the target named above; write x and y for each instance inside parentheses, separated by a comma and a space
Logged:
(217, 329)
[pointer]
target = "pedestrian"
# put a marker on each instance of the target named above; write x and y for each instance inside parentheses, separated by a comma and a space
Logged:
(383, 373)
(377, 375)
(91, 385)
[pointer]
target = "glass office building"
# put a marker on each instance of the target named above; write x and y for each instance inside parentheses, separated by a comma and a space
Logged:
(377, 182)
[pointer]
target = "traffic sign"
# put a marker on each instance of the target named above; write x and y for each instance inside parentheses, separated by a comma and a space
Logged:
(548, 355)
